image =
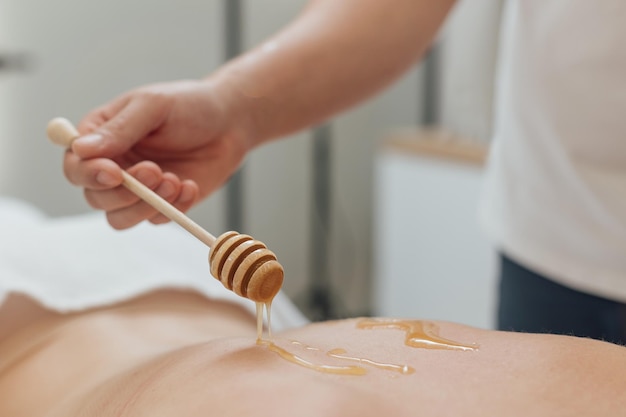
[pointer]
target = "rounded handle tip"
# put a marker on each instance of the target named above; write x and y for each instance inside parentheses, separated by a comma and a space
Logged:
(61, 131)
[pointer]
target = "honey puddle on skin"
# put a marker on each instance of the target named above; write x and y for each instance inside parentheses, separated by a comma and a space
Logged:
(298, 360)
(419, 334)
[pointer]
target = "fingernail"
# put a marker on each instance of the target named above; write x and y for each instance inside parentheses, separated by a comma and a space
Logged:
(148, 178)
(167, 189)
(91, 139)
(186, 195)
(104, 178)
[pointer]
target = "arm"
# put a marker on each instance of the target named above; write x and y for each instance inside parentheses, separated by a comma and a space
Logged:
(185, 139)
(334, 55)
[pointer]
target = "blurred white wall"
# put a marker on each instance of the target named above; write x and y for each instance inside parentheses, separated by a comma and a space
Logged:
(86, 52)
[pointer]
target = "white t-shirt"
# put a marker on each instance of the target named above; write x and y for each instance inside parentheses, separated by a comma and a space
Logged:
(556, 180)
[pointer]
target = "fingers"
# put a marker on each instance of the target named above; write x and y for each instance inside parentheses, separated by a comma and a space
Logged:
(113, 129)
(97, 174)
(124, 209)
(120, 197)
(189, 194)
(97, 117)
(132, 215)
(108, 134)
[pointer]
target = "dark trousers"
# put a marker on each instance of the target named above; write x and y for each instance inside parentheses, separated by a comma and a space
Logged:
(531, 303)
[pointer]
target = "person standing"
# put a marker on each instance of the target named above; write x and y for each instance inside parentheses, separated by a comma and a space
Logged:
(555, 195)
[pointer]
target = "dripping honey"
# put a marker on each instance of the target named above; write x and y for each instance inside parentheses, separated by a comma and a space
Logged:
(259, 320)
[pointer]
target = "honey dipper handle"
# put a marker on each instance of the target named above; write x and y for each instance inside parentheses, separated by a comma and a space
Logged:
(165, 208)
(62, 132)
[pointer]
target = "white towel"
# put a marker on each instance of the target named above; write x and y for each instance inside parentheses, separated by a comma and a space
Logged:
(79, 262)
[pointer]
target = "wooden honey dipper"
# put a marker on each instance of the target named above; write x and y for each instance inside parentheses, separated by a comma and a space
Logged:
(242, 264)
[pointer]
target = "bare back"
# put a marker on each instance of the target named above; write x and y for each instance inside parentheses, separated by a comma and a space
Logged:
(178, 354)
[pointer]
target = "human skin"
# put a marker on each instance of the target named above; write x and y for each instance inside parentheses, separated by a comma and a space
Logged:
(178, 354)
(184, 139)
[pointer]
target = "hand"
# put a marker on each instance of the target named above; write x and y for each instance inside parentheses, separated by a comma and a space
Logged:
(177, 138)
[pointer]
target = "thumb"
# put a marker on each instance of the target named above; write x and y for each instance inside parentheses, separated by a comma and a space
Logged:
(140, 116)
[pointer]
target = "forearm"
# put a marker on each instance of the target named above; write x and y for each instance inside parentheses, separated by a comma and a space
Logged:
(334, 55)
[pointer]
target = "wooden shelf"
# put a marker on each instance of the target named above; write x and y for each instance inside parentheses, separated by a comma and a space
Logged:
(437, 143)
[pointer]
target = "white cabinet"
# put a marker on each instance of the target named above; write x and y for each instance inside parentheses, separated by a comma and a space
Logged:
(431, 258)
